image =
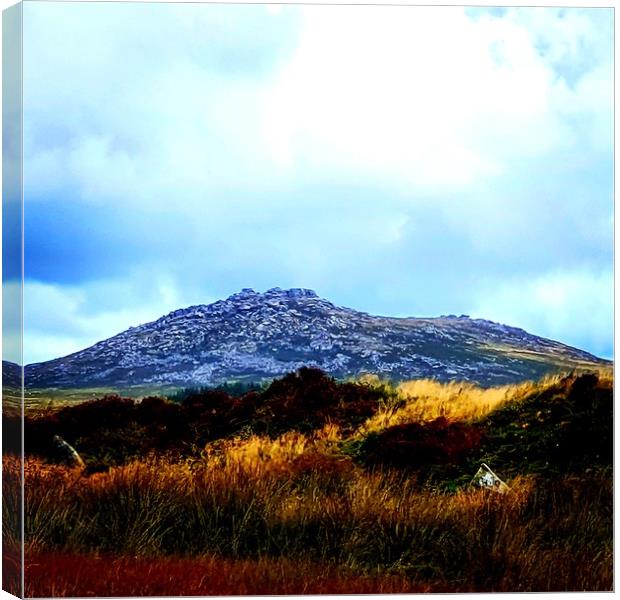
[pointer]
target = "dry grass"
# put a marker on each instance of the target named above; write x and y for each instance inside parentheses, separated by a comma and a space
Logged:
(11, 569)
(62, 575)
(423, 400)
(539, 537)
(292, 514)
(258, 455)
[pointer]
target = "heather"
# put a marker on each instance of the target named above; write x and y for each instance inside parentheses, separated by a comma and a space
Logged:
(341, 487)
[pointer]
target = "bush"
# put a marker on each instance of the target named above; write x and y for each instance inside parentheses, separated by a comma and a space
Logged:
(417, 445)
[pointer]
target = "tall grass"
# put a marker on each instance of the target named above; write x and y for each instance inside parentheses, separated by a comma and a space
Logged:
(425, 400)
(61, 574)
(307, 505)
(368, 523)
(12, 525)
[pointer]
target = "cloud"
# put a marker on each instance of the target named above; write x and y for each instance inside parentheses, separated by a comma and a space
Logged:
(61, 319)
(430, 98)
(164, 108)
(394, 158)
(11, 321)
(575, 307)
(390, 98)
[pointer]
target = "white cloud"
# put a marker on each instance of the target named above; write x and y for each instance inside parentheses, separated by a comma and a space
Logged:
(59, 320)
(573, 307)
(11, 322)
(415, 97)
(425, 96)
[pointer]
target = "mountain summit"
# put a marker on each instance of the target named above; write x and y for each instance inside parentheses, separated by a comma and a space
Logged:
(253, 336)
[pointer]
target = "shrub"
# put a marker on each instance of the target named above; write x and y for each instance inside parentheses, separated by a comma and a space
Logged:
(417, 445)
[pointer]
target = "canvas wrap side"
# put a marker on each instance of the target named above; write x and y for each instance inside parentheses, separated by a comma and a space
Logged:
(12, 301)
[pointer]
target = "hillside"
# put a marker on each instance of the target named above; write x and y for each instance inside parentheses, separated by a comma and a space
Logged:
(334, 487)
(254, 336)
(11, 375)
(558, 425)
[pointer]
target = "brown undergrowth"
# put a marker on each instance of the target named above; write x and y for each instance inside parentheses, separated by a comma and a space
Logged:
(541, 536)
(65, 575)
(358, 504)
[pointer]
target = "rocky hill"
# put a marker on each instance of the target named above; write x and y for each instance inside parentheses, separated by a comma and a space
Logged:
(11, 375)
(254, 336)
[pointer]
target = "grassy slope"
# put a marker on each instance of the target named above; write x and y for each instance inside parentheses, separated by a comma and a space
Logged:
(326, 488)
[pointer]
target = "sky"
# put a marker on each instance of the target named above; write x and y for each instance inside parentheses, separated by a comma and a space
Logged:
(405, 161)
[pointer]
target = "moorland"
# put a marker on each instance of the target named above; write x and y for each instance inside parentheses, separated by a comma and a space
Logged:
(313, 485)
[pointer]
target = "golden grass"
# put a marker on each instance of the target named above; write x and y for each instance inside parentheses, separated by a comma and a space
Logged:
(531, 539)
(423, 400)
(257, 500)
(261, 453)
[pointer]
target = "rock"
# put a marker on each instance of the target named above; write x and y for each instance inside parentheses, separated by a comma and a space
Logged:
(485, 478)
(68, 453)
(261, 336)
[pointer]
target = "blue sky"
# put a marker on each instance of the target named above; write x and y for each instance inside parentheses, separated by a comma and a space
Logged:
(399, 160)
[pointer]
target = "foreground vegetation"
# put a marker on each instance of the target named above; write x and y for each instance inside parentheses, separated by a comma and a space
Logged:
(311, 486)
